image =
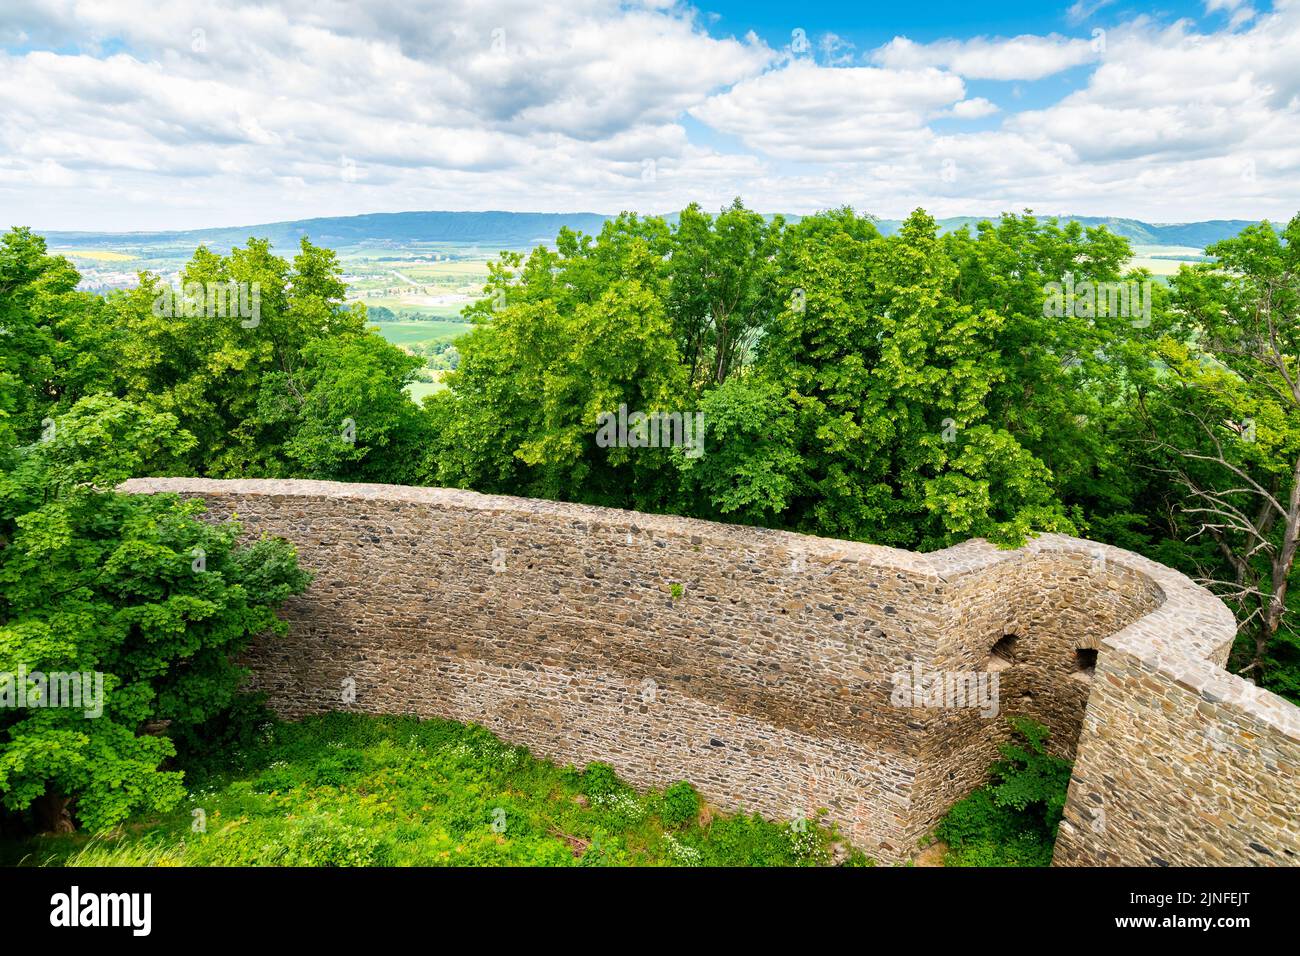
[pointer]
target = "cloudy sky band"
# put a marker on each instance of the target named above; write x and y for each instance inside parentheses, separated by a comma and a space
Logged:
(135, 115)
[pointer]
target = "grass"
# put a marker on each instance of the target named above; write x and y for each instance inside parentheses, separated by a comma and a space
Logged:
(420, 390)
(354, 790)
(421, 332)
(1163, 261)
(469, 269)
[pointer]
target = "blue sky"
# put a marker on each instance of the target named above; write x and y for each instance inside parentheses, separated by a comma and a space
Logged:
(872, 24)
(127, 114)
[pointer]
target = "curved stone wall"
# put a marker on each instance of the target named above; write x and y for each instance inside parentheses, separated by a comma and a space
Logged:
(1180, 762)
(775, 670)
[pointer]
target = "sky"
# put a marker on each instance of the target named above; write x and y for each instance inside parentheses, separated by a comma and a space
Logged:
(142, 115)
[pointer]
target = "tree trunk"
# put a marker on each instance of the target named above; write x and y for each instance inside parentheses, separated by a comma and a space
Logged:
(52, 812)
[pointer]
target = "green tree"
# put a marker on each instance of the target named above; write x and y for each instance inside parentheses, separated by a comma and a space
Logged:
(266, 388)
(54, 345)
(1059, 369)
(523, 408)
(1222, 427)
(723, 287)
(136, 589)
(890, 372)
(345, 414)
(752, 469)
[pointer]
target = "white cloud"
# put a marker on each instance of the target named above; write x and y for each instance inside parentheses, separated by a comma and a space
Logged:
(1239, 11)
(973, 108)
(984, 58)
(1082, 10)
(808, 112)
(238, 100)
(1172, 122)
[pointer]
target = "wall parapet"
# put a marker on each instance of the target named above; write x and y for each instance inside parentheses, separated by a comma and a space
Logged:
(761, 664)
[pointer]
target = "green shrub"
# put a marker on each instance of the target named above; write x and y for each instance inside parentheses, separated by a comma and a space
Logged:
(604, 850)
(1012, 820)
(278, 778)
(224, 741)
(335, 770)
(1029, 779)
(681, 805)
(600, 780)
(752, 841)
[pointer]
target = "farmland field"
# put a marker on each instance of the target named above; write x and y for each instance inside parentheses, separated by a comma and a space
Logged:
(420, 390)
(421, 332)
(97, 255)
(1164, 260)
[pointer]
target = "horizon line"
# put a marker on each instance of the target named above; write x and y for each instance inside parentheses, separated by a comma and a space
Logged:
(576, 213)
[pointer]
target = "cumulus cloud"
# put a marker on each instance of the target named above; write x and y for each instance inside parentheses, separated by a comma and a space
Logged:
(1192, 123)
(973, 108)
(984, 58)
(809, 112)
(235, 98)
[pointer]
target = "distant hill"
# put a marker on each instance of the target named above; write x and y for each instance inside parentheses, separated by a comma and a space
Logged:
(1197, 234)
(522, 230)
(506, 230)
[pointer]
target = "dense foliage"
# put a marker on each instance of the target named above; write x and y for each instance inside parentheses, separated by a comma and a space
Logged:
(131, 607)
(1223, 423)
(1011, 820)
(133, 595)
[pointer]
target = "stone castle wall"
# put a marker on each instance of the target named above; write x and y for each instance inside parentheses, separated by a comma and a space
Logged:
(761, 665)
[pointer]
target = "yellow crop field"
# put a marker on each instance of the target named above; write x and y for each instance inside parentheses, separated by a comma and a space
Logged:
(98, 255)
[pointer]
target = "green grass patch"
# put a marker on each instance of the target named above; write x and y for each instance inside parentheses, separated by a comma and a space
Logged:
(459, 268)
(355, 790)
(421, 332)
(419, 391)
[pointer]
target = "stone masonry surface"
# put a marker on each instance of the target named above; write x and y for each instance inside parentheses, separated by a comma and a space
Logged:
(761, 665)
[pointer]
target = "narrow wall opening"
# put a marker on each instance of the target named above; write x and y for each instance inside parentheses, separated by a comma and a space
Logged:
(1085, 663)
(1003, 654)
